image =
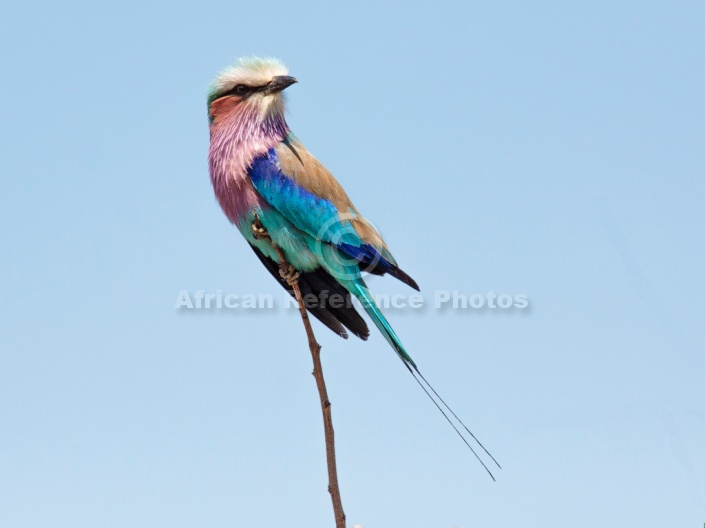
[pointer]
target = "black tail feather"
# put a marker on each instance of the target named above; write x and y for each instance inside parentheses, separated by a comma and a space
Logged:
(335, 315)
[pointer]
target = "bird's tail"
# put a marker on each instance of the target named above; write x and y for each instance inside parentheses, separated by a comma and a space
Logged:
(368, 303)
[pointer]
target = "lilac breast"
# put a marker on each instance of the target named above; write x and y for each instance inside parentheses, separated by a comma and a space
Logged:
(235, 142)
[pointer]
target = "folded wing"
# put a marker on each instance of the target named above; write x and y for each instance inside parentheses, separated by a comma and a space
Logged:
(297, 185)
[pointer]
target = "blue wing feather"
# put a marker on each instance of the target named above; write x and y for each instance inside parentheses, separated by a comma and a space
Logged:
(316, 215)
(308, 212)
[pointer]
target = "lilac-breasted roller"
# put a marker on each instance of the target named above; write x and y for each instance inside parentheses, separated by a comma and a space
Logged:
(262, 173)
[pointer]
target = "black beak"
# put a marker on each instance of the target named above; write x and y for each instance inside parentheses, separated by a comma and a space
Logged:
(279, 83)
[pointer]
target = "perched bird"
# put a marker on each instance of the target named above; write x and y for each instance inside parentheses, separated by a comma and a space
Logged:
(263, 176)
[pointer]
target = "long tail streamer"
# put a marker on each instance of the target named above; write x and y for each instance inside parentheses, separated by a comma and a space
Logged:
(414, 371)
(365, 297)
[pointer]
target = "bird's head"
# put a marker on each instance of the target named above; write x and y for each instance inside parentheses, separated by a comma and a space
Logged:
(252, 85)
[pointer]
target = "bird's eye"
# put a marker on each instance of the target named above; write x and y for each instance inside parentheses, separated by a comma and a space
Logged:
(241, 89)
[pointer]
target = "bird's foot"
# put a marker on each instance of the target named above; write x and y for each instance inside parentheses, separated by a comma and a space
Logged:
(289, 274)
(286, 270)
(258, 230)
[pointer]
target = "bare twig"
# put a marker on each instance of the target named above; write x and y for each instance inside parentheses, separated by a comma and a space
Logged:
(289, 274)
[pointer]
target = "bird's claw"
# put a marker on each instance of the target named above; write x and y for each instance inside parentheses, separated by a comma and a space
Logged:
(286, 270)
(258, 230)
(289, 274)
(260, 233)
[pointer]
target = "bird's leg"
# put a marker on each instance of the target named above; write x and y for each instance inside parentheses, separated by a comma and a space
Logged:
(258, 230)
(286, 270)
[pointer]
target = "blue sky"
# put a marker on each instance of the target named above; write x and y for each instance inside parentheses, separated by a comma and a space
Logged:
(552, 150)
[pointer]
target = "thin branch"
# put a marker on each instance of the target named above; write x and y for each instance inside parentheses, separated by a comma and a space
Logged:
(291, 276)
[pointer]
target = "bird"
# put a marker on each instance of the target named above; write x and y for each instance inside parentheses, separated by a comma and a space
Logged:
(266, 181)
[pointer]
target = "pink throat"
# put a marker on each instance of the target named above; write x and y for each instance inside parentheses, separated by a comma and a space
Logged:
(236, 140)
